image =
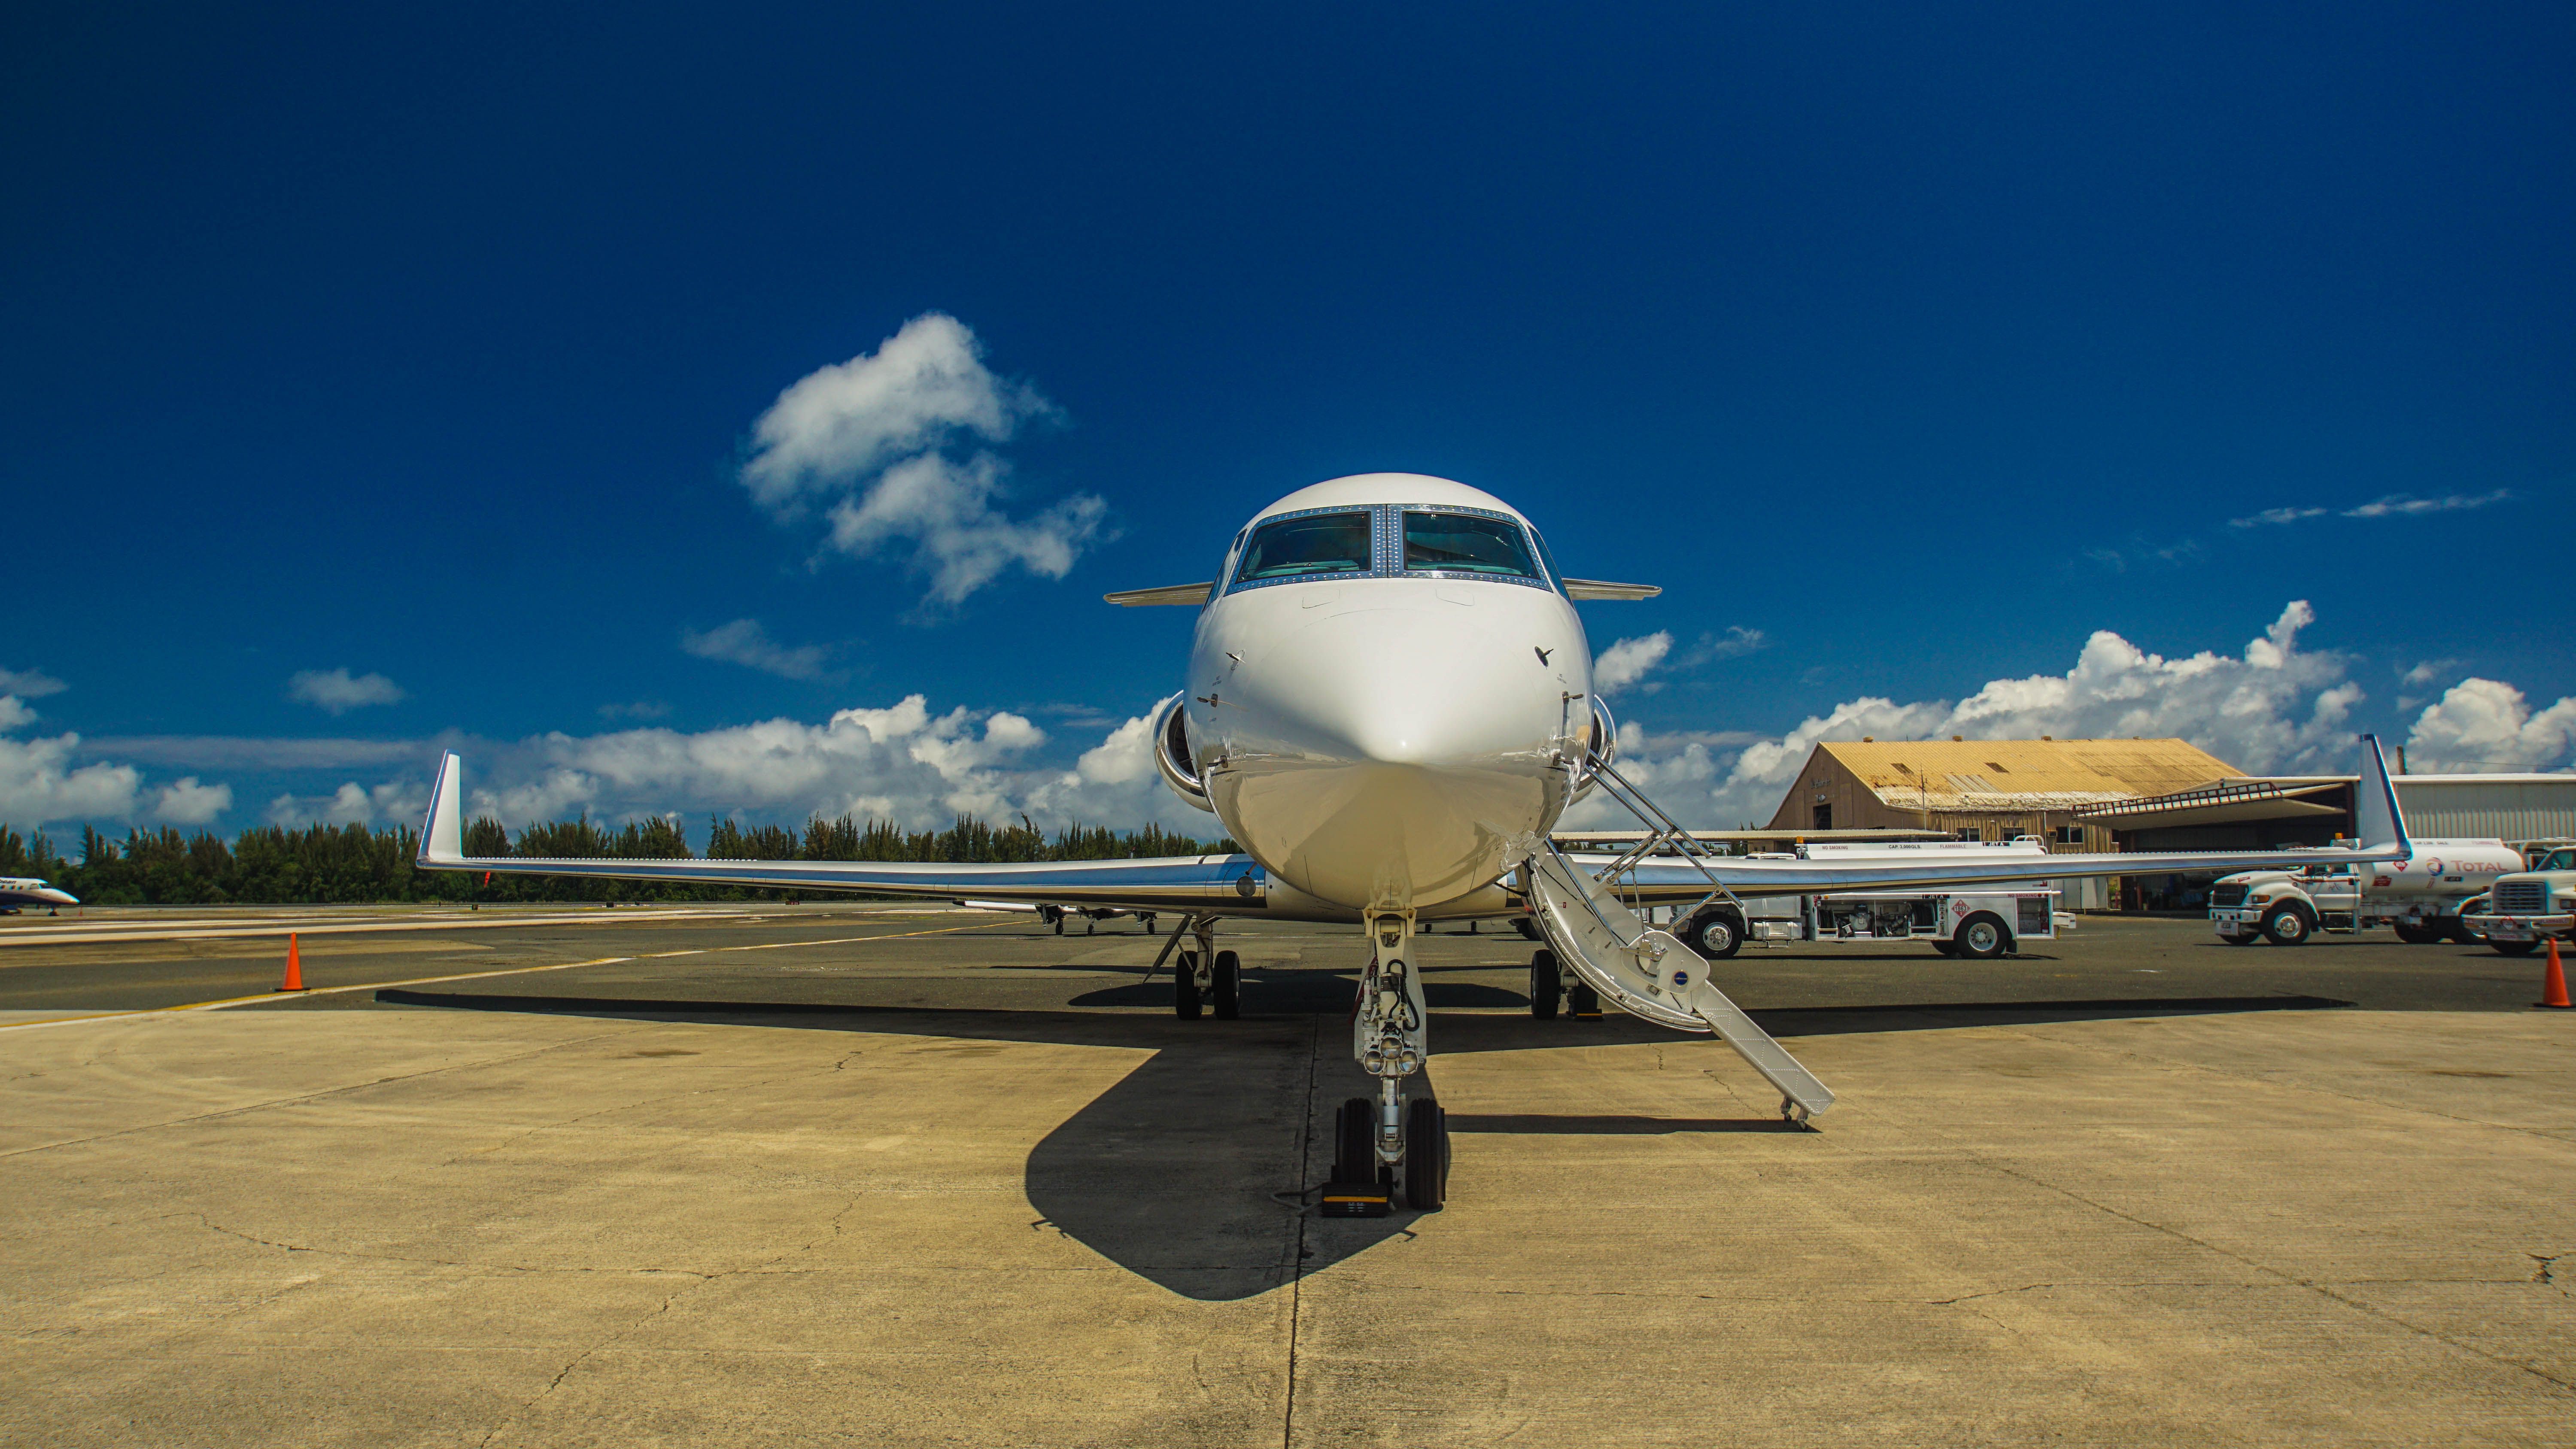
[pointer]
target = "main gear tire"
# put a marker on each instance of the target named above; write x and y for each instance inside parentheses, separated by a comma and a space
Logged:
(1546, 985)
(1185, 986)
(1225, 986)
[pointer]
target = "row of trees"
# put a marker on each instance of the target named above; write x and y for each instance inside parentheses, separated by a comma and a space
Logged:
(350, 864)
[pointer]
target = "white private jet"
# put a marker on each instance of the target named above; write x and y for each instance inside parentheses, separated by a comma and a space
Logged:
(1389, 705)
(18, 893)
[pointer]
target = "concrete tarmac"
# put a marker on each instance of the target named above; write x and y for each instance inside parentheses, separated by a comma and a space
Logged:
(825, 1177)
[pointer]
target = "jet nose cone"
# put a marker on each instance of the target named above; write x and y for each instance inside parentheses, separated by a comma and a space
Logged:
(1407, 687)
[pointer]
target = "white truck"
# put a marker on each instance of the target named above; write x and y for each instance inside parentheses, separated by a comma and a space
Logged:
(1979, 924)
(2420, 897)
(2531, 905)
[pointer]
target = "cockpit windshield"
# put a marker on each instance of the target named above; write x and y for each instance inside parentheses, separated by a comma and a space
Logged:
(1464, 543)
(1315, 545)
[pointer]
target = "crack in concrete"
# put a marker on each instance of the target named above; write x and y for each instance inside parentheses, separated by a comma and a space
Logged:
(2287, 1084)
(834, 1228)
(467, 1263)
(2321, 1289)
(2292, 1285)
(249, 1107)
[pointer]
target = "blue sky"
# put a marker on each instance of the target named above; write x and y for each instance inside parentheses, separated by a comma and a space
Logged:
(418, 354)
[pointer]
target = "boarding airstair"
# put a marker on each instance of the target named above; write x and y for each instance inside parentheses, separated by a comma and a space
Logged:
(1649, 972)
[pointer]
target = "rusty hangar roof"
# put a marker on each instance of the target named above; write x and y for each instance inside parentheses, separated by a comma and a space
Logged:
(1968, 775)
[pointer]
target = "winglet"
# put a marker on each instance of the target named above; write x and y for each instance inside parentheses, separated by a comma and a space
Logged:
(442, 832)
(2375, 813)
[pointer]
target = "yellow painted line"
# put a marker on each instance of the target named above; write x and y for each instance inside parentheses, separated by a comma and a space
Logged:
(231, 1001)
(846, 940)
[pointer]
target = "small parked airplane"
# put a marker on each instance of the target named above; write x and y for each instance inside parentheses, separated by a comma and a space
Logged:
(1389, 705)
(17, 893)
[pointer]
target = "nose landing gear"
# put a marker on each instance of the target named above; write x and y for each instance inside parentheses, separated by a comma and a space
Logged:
(1378, 1142)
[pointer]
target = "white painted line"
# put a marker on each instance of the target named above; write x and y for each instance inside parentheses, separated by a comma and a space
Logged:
(329, 927)
(232, 1001)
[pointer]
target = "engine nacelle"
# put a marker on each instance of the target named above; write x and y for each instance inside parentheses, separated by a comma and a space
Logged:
(1172, 755)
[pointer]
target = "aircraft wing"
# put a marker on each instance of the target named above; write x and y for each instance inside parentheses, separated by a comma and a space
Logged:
(1668, 879)
(1226, 884)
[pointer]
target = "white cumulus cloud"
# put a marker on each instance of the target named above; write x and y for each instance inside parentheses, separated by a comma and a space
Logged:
(1629, 660)
(185, 802)
(2481, 725)
(868, 440)
(30, 683)
(14, 713)
(2273, 706)
(337, 692)
(38, 784)
(395, 802)
(945, 510)
(902, 762)
(746, 643)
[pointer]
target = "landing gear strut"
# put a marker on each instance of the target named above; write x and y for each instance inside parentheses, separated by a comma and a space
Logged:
(1203, 976)
(1389, 1036)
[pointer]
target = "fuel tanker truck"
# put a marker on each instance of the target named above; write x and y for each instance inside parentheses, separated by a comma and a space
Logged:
(2420, 897)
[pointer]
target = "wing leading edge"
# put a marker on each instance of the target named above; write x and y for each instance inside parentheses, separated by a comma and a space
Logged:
(1217, 883)
(1665, 879)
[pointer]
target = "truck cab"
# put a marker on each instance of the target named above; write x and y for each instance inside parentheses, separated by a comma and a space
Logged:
(2425, 897)
(2285, 907)
(2531, 906)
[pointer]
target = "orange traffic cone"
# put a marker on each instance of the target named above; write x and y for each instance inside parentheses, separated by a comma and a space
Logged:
(295, 967)
(2553, 985)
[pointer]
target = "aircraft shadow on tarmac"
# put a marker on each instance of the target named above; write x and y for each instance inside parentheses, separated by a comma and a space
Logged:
(1170, 1172)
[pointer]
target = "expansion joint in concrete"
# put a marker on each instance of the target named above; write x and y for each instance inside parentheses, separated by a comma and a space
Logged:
(1297, 1263)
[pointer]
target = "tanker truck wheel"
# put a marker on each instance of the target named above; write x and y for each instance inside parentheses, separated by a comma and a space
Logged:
(2464, 933)
(2288, 926)
(2513, 948)
(2415, 935)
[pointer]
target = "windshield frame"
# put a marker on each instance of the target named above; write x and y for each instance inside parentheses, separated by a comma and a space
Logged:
(1537, 578)
(1386, 549)
(1373, 513)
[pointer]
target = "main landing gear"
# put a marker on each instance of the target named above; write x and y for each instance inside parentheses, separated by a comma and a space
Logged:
(1377, 1142)
(1205, 977)
(1550, 983)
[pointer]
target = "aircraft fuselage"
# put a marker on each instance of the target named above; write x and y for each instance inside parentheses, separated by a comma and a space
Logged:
(1387, 731)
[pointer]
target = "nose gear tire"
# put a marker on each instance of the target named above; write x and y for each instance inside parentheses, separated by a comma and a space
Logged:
(1426, 1155)
(1185, 986)
(1355, 1141)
